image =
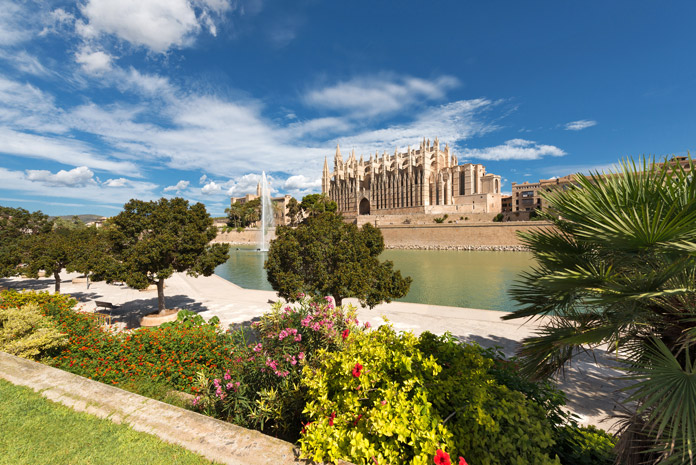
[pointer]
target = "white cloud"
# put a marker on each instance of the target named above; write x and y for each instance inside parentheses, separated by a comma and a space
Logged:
(118, 182)
(59, 149)
(211, 188)
(93, 62)
(299, 185)
(158, 25)
(24, 62)
(14, 23)
(515, 149)
(452, 123)
(202, 179)
(380, 94)
(245, 185)
(90, 191)
(178, 187)
(579, 125)
(77, 177)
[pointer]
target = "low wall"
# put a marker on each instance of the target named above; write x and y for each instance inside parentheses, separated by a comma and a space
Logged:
(481, 236)
(246, 236)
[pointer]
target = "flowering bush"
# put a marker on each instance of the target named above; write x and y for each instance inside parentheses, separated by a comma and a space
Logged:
(396, 398)
(263, 390)
(171, 355)
(368, 403)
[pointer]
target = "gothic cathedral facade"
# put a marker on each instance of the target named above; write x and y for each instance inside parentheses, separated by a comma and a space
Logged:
(423, 180)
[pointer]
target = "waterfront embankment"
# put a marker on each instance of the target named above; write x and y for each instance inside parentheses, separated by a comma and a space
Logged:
(445, 236)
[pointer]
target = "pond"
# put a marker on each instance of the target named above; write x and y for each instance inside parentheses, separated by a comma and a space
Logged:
(474, 279)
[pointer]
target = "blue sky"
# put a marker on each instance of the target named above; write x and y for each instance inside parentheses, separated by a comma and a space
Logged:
(106, 100)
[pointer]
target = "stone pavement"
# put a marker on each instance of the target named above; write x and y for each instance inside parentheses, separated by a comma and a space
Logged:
(590, 387)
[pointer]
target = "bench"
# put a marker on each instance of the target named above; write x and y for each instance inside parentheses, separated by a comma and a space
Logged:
(105, 305)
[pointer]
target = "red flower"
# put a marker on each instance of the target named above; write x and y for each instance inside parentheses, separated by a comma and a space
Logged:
(345, 333)
(462, 461)
(442, 458)
(356, 370)
(331, 418)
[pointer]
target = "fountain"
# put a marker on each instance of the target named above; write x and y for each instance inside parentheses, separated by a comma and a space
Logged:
(266, 213)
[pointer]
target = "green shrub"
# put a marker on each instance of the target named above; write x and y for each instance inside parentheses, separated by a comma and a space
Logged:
(369, 402)
(25, 332)
(578, 445)
(498, 218)
(189, 319)
(441, 219)
(488, 420)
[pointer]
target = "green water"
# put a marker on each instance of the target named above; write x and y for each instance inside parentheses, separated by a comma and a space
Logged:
(441, 277)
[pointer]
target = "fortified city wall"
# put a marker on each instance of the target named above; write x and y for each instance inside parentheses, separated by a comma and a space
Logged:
(477, 236)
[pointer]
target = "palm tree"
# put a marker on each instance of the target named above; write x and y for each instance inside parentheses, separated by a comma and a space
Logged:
(619, 268)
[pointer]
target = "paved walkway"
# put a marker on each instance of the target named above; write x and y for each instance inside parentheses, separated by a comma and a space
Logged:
(590, 387)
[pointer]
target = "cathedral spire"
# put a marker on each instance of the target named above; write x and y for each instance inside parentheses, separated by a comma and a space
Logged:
(325, 178)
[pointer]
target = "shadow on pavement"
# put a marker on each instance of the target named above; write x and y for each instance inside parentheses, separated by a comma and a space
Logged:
(132, 311)
(40, 284)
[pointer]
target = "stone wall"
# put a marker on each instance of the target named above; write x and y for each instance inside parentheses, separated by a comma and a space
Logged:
(247, 236)
(482, 236)
(476, 233)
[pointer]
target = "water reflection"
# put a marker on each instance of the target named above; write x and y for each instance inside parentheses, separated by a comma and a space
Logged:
(441, 277)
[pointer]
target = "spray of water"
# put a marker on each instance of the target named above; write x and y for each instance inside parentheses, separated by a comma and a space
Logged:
(266, 213)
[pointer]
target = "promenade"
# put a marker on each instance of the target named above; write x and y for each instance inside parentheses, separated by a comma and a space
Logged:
(589, 386)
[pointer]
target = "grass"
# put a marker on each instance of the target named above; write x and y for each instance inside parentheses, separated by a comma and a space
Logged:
(34, 430)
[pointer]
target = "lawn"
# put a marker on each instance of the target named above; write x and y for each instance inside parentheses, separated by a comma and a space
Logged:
(34, 430)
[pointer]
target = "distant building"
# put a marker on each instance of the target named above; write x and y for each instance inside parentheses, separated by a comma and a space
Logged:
(506, 203)
(423, 180)
(527, 196)
(280, 205)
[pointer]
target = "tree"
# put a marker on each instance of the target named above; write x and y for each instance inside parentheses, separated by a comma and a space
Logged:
(154, 239)
(294, 212)
(314, 204)
(241, 215)
(16, 225)
(326, 256)
(64, 247)
(619, 268)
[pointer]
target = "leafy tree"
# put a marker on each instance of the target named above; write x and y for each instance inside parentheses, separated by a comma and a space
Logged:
(71, 247)
(314, 204)
(294, 212)
(16, 225)
(154, 239)
(619, 268)
(326, 256)
(241, 215)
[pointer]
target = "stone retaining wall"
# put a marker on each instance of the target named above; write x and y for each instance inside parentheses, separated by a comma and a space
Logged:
(445, 236)
(480, 236)
(214, 439)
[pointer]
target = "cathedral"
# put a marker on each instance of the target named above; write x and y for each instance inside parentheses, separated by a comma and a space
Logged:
(423, 180)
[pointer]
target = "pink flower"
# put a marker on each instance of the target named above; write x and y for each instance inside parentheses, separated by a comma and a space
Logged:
(227, 376)
(345, 333)
(257, 347)
(298, 338)
(300, 356)
(462, 461)
(356, 370)
(367, 325)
